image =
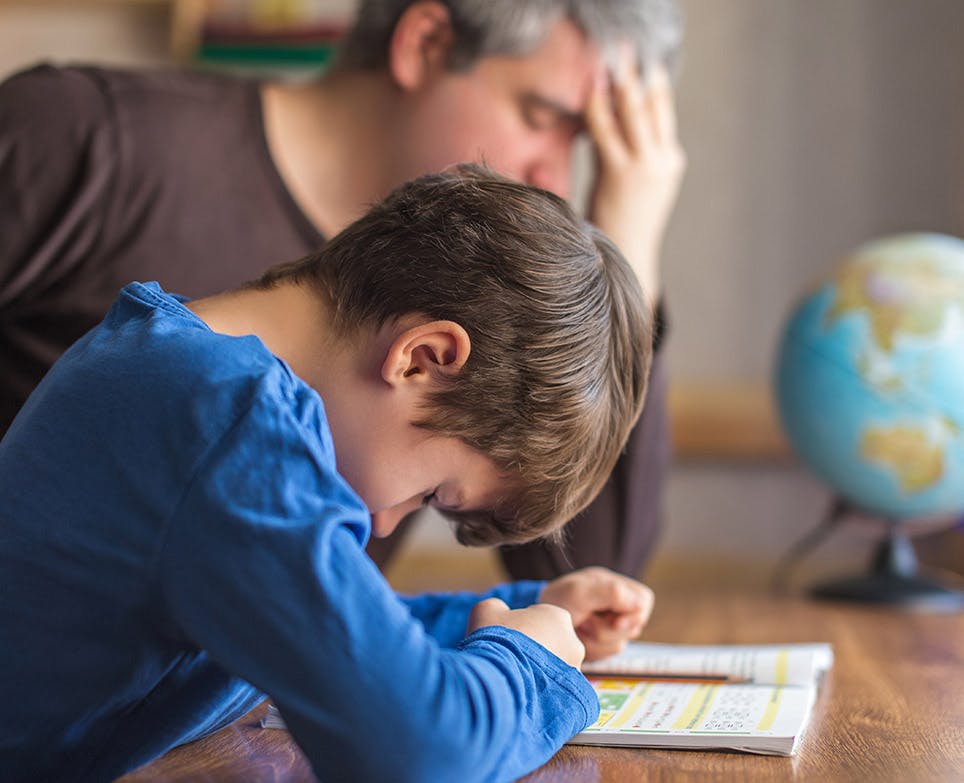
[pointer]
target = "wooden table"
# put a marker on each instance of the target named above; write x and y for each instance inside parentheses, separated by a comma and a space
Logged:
(892, 708)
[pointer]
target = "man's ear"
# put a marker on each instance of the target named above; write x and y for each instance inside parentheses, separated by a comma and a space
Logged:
(423, 353)
(420, 44)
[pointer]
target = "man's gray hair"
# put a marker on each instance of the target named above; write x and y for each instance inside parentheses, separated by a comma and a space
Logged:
(516, 27)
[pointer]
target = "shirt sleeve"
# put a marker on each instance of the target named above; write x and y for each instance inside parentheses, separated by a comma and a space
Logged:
(56, 161)
(263, 566)
(446, 615)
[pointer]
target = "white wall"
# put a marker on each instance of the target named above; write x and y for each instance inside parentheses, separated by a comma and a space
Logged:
(132, 34)
(811, 126)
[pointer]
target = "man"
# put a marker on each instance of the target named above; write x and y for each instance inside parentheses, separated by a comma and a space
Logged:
(201, 182)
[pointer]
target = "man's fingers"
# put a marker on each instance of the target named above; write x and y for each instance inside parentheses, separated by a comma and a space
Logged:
(601, 121)
(661, 105)
(631, 105)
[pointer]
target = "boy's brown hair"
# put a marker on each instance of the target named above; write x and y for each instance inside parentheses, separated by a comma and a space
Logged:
(561, 337)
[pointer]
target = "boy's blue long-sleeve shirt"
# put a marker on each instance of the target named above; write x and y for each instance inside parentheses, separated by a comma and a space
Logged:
(175, 541)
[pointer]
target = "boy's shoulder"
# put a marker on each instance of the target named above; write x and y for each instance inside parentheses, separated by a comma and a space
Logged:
(151, 330)
(153, 358)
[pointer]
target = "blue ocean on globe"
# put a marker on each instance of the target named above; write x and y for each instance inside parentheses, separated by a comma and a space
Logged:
(870, 377)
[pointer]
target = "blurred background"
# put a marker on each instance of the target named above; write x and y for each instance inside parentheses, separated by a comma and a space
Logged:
(811, 126)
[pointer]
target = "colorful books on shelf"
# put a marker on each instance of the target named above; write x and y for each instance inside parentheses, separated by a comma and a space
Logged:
(751, 698)
(267, 34)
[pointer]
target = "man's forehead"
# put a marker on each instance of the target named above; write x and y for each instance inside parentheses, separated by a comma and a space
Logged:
(568, 108)
(560, 71)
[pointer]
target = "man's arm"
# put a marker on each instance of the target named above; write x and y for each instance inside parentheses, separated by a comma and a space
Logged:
(53, 150)
(640, 164)
(56, 157)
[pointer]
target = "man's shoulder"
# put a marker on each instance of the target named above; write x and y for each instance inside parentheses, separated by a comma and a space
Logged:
(168, 84)
(45, 93)
(89, 90)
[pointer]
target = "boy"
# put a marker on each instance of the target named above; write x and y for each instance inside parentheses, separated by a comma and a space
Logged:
(200, 182)
(185, 499)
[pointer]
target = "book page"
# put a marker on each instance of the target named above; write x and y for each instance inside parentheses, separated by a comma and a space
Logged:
(761, 718)
(777, 664)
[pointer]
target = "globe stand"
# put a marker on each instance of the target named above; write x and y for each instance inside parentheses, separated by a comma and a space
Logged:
(893, 580)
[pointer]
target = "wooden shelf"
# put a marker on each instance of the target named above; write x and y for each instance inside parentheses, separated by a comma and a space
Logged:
(730, 420)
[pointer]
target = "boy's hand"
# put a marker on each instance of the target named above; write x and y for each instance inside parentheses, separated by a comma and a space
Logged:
(551, 626)
(639, 163)
(607, 608)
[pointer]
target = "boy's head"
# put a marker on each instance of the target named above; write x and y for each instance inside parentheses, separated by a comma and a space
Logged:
(552, 364)
(507, 80)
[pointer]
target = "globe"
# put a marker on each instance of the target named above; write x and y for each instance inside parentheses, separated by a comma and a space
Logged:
(870, 377)
(870, 390)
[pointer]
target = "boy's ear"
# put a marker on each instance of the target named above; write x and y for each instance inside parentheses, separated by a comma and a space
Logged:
(419, 355)
(420, 44)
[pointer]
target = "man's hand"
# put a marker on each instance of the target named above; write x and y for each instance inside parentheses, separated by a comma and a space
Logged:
(607, 608)
(551, 626)
(639, 163)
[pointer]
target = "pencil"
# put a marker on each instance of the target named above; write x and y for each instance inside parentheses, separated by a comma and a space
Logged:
(708, 679)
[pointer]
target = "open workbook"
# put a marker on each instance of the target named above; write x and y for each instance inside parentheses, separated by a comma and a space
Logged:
(752, 698)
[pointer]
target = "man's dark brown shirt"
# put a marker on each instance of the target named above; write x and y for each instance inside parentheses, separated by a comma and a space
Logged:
(111, 176)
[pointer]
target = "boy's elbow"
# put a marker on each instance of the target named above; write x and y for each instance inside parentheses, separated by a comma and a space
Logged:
(475, 746)
(435, 754)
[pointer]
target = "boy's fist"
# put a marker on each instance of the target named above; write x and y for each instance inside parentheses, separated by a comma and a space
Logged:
(549, 625)
(607, 608)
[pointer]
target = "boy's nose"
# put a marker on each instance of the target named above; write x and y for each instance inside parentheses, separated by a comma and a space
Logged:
(386, 520)
(549, 163)
(552, 174)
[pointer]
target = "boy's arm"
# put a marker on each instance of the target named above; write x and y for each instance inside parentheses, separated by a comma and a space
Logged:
(607, 608)
(445, 616)
(263, 567)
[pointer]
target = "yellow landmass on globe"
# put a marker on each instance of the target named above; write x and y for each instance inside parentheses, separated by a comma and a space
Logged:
(886, 384)
(909, 298)
(917, 461)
